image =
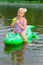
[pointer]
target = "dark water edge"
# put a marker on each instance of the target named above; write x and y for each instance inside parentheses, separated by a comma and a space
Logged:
(21, 54)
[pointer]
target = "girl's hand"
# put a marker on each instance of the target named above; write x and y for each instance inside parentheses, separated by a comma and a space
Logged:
(17, 22)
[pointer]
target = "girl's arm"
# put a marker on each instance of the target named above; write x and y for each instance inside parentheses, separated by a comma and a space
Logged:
(25, 23)
(12, 25)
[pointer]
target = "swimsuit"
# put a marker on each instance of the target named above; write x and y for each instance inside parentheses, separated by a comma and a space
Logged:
(18, 29)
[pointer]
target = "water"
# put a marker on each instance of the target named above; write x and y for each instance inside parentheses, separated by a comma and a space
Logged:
(21, 54)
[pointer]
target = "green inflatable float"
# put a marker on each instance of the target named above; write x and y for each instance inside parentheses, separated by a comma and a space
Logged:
(12, 38)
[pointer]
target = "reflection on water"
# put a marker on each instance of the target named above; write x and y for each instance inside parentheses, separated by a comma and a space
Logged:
(17, 53)
(21, 54)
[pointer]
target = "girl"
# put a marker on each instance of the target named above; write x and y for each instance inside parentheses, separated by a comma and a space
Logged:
(21, 22)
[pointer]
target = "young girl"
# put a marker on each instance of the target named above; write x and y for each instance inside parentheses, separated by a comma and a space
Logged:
(21, 22)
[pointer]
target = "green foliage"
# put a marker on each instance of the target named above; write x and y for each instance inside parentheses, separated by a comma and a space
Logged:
(22, 1)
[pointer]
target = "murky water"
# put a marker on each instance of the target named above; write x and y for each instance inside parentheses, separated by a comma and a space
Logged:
(21, 54)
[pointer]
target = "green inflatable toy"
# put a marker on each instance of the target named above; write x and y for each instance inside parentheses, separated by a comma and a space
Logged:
(12, 38)
(14, 19)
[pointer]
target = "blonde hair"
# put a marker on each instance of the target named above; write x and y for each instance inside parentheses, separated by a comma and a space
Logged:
(23, 9)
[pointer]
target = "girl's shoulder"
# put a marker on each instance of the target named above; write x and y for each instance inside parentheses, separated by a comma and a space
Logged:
(24, 19)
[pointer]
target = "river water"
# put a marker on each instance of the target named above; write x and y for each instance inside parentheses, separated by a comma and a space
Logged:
(21, 54)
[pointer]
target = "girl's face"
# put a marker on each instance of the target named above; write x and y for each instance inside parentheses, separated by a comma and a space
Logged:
(20, 13)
